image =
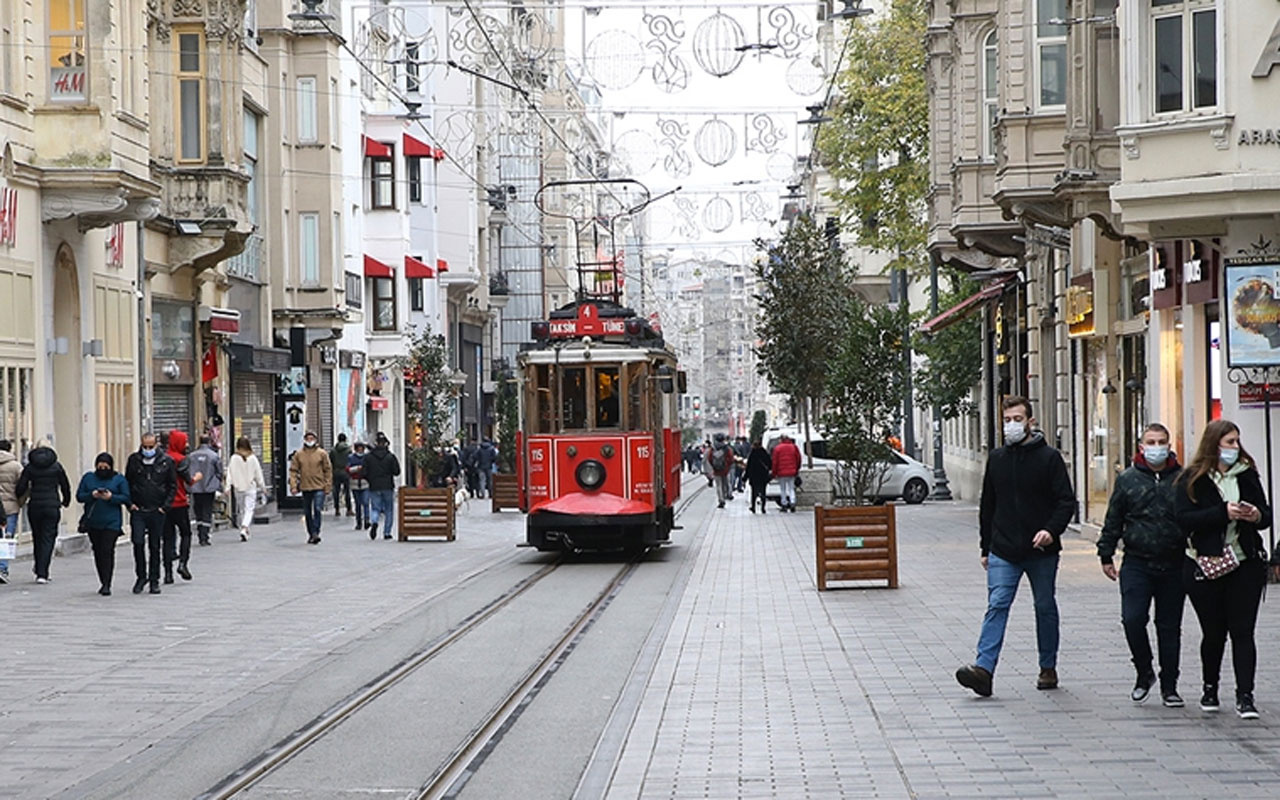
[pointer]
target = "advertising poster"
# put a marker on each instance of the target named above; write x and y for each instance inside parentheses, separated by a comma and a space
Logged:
(351, 405)
(295, 428)
(1253, 309)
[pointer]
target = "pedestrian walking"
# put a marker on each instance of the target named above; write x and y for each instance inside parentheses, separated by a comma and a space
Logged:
(469, 459)
(105, 494)
(1027, 501)
(741, 451)
(177, 518)
(381, 468)
(206, 463)
(359, 484)
(341, 480)
(488, 466)
(311, 474)
(759, 470)
(721, 461)
(44, 483)
(244, 475)
(10, 471)
(1221, 506)
(153, 484)
(786, 468)
(1141, 515)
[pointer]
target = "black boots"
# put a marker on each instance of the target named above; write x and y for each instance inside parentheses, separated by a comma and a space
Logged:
(168, 573)
(183, 571)
(139, 585)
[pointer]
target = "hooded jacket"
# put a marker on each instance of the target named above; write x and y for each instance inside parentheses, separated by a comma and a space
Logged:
(205, 462)
(355, 469)
(381, 468)
(310, 470)
(488, 456)
(10, 471)
(1025, 490)
(152, 486)
(103, 515)
(759, 467)
(46, 481)
(178, 453)
(338, 458)
(1141, 512)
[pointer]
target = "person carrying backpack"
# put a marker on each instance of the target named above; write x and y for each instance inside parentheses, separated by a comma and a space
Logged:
(721, 460)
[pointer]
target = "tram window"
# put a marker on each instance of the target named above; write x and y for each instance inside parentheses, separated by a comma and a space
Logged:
(574, 394)
(608, 398)
(635, 397)
(545, 421)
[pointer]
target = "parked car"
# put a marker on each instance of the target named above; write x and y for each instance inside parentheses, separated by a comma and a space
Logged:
(905, 478)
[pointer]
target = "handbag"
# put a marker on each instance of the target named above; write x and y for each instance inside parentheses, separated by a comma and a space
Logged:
(799, 482)
(1210, 567)
(83, 527)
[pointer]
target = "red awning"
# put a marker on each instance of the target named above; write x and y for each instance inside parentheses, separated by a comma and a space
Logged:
(967, 306)
(415, 148)
(373, 268)
(375, 149)
(413, 268)
(442, 265)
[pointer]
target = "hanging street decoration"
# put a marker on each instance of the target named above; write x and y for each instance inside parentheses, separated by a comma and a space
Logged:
(715, 143)
(670, 73)
(716, 45)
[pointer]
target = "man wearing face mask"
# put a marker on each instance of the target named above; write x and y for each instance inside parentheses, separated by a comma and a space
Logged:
(1027, 502)
(311, 473)
(1141, 512)
(153, 483)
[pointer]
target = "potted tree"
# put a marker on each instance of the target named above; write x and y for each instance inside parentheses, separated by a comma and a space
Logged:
(427, 510)
(505, 492)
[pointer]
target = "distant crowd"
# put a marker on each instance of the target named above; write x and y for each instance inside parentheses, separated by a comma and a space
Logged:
(731, 466)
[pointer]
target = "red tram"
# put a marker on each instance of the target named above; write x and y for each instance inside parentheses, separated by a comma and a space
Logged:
(599, 458)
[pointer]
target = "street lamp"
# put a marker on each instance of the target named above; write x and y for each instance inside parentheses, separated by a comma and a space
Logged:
(852, 10)
(311, 13)
(816, 117)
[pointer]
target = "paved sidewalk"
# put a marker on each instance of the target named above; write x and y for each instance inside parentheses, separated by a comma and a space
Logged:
(766, 688)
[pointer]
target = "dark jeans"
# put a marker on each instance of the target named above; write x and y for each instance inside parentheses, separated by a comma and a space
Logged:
(341, 489)
(757, 493)
(1228, 606)
(147, 534)
(104, 554)
(1142, 581)
(361, 497)
(313, 509)
(44, 535)
(202, 507)
(177, 536)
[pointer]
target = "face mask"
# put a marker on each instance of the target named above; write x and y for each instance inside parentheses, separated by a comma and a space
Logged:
(1155, 453)
(1014, 432)
(1229, 455)
(104, 473)
(148, 453)
(310, 442)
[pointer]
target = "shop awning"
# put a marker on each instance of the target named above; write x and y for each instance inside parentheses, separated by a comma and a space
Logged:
(413, 268)
(416, 148)
(967, 306)
(375, 149)
(373, 268)
(442, 265)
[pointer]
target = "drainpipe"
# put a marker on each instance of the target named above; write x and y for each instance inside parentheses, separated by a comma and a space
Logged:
(144, 371)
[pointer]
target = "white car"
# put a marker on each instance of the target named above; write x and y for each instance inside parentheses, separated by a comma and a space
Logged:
(906, 478)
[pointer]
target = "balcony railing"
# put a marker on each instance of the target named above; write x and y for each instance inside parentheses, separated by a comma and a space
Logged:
(248, 265)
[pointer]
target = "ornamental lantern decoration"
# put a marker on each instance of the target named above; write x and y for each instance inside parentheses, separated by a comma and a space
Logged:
(716, 43)
(715, 142)
(717, 216)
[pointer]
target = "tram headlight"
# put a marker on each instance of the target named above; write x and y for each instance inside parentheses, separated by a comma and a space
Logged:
(590, 474)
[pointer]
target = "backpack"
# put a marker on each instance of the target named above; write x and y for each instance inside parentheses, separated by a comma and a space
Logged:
(718, 461)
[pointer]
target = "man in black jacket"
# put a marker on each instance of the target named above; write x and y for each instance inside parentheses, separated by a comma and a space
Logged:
(1141, 513)
(153, 484)
(381, 467)
(1027, 501)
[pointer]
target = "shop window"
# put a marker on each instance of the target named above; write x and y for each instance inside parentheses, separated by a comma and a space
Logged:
(172, 330)
(17, 419)
(1051, 53)
(573, 394)
(191, 133)
(608, 398)
(990, 94)
(307, 123)
(68, 64)
(384, 304)
(1184, 54)
(382, 183)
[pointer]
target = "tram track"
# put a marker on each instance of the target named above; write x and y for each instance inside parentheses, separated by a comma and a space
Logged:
(452, 774)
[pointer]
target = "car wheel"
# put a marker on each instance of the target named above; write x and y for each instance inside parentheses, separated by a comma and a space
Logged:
(915, 491)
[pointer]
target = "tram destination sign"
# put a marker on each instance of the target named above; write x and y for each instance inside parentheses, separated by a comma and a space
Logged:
(588, 323)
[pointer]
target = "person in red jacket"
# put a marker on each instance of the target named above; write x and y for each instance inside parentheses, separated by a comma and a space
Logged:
(786, 466)
(177, 518)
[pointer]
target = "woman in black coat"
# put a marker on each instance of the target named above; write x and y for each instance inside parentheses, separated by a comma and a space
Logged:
(759, 471)
(1221, 506)
(45, 482)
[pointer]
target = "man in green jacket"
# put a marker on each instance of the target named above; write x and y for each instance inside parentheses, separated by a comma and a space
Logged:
(341, 480)
(1141, 513)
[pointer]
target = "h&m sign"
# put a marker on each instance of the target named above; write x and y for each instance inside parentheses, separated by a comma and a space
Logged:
(8, 217)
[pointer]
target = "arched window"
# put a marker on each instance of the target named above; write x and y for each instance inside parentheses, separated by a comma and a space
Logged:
(990, 94)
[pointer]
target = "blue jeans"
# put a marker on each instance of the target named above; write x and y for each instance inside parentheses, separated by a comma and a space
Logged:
(361, 497)
(313, 508)
(1002, 586)
(382, 503)
(10, 531)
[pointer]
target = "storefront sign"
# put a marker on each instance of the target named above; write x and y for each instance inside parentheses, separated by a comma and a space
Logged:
(115, 245)
(1270, 54)
(8, 217)
(295, 428)
(379, 403)
(328, 355)
(1200, 271)
(1252, 394)
(1166, 291)
(1256, 136)
(351, 359)
(67, 83)
(1253, 312)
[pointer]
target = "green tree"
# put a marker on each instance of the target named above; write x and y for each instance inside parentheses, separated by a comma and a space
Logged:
(430, 397)
(508, 411)
(758, 423)
(877, 144)
(953, 356)
(690, 434)
(865, 387)
(802, 288)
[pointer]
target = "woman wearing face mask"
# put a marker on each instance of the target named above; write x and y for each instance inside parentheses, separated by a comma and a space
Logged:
(1221, 506)
(105, 493)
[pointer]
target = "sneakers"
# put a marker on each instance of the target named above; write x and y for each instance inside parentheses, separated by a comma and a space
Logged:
(1209, 700)
(4, 576)
(1245, 707)
(139, 585)
(1172, 700)
(1048, 679)
(105, 591)
(244, 535)
(1142, 689)
(42, 581)
(373, 531)
(971, 676)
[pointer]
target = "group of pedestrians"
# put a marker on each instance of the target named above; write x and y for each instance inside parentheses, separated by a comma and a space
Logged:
(731, 466)
(1188, 532)
(365, 479)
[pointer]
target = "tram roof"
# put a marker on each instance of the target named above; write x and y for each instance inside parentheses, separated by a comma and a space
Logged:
(584, 352)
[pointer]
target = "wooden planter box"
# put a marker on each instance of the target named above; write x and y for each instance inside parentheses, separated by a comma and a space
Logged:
(504, 491)
(425, 514)
(856, 543)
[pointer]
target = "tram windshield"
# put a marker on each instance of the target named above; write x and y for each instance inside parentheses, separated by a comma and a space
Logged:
(588, 397)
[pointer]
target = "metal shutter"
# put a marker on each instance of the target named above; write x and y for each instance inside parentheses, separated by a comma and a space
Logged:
(254, 405)
(171, 409)
(324, 422)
